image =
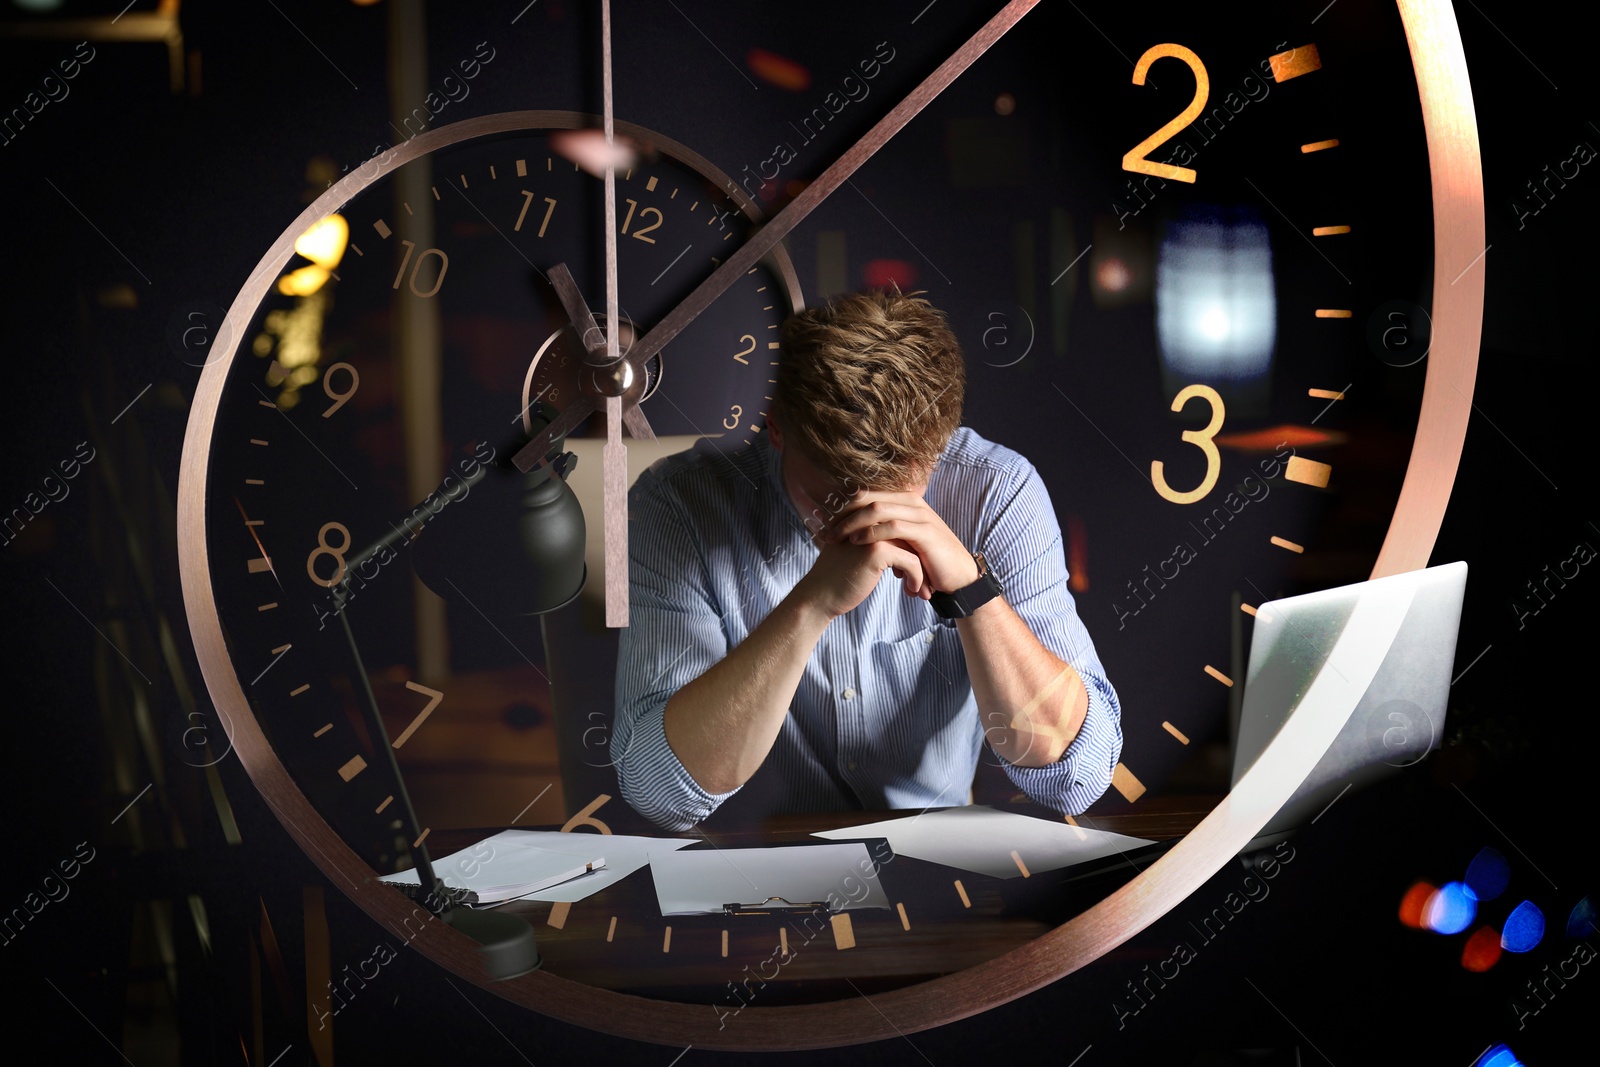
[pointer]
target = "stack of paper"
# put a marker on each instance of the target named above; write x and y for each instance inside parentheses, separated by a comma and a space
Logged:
(540, 865)
(1001, 844)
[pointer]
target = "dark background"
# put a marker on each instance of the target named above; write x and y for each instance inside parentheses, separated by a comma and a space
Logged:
(127, 205)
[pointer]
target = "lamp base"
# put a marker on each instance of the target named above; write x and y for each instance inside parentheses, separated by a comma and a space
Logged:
(508, 945)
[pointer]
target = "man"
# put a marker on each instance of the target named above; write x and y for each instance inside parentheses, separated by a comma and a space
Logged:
(769, 655)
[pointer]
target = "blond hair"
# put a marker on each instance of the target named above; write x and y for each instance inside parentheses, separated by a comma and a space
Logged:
(870, 387)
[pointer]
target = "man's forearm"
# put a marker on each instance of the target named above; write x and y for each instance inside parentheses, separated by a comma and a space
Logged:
(1031, 703)
(722, 725)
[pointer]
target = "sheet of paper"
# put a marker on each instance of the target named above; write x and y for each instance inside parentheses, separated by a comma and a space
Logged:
(985, 841)
(498, 860)
(700, 881)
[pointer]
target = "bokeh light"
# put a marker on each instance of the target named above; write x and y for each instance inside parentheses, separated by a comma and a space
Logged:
(885, 273)
(1113, 275)
(1450, 910)
(1414, 902)
(1497, 1056)
(1488, 874)
(1482, 950)
(778, 70)
(1524, 928)
(1583, 921)
(1005, 104)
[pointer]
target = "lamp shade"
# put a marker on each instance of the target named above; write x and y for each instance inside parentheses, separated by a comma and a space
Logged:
(511, 544)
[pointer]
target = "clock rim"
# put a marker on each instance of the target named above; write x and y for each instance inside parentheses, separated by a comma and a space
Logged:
(1439, 65)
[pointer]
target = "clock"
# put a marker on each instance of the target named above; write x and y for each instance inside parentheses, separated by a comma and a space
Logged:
(1220, 283)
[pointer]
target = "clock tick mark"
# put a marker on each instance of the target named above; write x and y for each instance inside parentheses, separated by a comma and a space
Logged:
(1295, 62)
(961, 891)
(1334, 313)
(650, 186)
(382, 228)
(1290, 545)
(259, 565)
(326, 727)
(267, 607)
(558, 914)
(1219, 676)
(356, 249)
(426, 830)
(435, 190)
(1248, 609)
(666, 940)
(407, 207)
(1319, 146)
(301, 689)
(1328, 231)
(268, 667)
(611, 931)
(1175, 732)
(1308, 472)
(1124, 782)
(352, 768)
(1326, 394)
(464, 184)
(905, 923)
(386, 802)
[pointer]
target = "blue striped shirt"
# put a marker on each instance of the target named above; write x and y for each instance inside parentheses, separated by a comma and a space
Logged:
(884, 716)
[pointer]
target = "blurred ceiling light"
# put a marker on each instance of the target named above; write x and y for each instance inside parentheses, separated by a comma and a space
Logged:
(1275, 437)
(589, 150)
(324, 242)
(1216, 311)
(303, 282)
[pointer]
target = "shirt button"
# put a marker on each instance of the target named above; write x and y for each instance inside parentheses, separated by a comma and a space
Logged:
(849, 694)
(930, 637)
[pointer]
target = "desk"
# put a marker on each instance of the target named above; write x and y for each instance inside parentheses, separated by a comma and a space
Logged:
(617, 939)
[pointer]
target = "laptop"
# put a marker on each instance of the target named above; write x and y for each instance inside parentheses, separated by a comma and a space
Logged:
(1400, 630)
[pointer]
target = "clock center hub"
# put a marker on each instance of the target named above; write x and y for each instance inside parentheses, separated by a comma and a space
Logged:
(557, 373)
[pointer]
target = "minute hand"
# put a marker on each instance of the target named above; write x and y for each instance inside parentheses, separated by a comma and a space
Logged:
(762, 241)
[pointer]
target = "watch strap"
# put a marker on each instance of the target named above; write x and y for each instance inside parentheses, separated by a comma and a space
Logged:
(969, 598)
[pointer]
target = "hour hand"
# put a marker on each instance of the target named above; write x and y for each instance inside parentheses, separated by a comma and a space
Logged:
(594, 343)
(589, 333)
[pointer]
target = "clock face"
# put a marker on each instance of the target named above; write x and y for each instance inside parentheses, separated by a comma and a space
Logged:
(1192, 264)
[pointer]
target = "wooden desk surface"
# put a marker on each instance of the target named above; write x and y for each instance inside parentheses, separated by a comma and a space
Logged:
(617, 939)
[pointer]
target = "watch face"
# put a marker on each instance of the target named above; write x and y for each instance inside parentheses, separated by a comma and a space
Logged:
(1191, 262)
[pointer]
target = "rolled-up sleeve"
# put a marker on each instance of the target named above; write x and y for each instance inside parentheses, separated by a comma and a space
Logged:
(1024, 548)
(675, 633)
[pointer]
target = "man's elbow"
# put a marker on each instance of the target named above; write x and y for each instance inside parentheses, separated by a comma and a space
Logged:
(653, 796)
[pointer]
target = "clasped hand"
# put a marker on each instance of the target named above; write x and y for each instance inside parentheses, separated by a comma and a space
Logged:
(881, 531)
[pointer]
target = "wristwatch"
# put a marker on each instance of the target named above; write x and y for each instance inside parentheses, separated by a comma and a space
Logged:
(966, 600)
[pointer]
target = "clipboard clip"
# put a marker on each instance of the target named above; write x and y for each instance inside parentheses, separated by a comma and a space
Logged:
(771, 904)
